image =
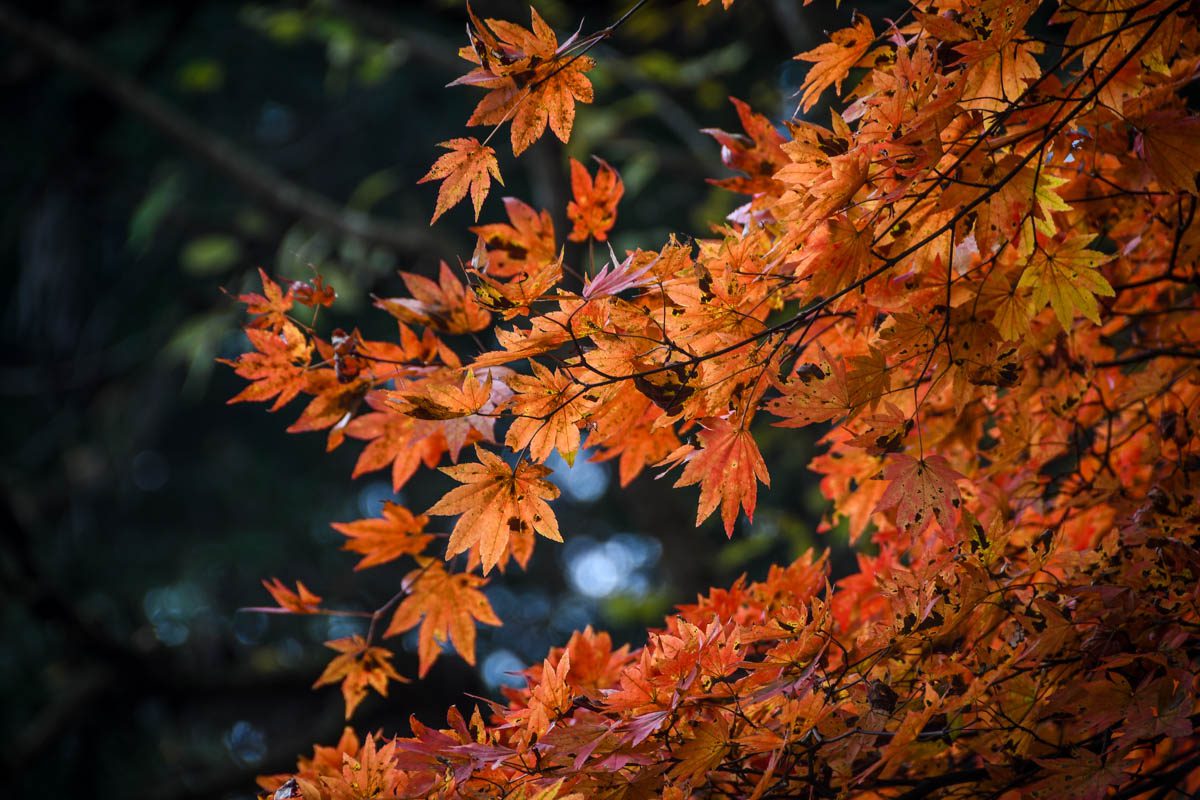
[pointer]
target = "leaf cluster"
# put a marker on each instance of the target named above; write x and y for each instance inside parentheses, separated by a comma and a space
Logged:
(979, 278)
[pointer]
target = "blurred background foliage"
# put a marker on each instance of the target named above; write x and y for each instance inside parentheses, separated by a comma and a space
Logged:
(155, 154)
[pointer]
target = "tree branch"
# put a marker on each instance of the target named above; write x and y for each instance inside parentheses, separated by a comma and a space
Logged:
(213, 149)
(1157, 352)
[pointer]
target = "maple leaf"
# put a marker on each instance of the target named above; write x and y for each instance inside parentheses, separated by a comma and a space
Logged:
(436, 400)
(922, 491)
(334, 403)
(392, 441)
(1010, 307)
(760, 156)
(389, 436)
(817, 392)
(616, 277)
(313, 293)
(278, 369)
(547, 408)
(358, 667)
(469, 165)
(594, 208)
(445, 305)
(1065, 275)
(396, 533)
(551, 792)
(522, 245)
(625, 426)
(446, 606)
(832, 61)
(551, 696)
(1169, 140)
(271, 307)
(1003, 65)
(834, 256)
(726, 468)
(703, 749)
(886, 431)
(515, 297)
(496, 502)
(371, 773)
(301, 601)
(534, 82)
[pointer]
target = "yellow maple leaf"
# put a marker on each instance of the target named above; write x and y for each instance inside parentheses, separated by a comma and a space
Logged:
(1065, 275)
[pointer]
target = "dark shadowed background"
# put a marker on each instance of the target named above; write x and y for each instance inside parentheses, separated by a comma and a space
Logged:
(152, 155)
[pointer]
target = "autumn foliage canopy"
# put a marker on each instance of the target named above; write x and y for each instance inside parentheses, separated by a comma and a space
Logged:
(977, 279)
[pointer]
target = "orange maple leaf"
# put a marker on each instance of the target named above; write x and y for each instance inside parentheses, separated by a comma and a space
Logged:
(547, 408)
(922, 491)
(391, 441)
(396, 533)
(301, 601)
(726, 468)
(594, 209)
(832, 61)
(759, 154)
(523, 244)
(496, 502)
(445, 305)
(514, 297)
(469, 165)
(369, 773)
(551, 697)
(447, 607)
(438, 400)
(359, 666)
(623, 426)
(1167, 139)
(271, 307)
(703, 749)
(532, 80)
(279, 369)
(313, 293)
(819, 391)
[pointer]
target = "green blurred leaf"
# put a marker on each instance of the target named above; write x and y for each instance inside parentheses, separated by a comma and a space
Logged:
(160, 199)
(252, 222)
(378, 61)
(737, 553)
(659, 67)
(372, 189)
(638, 171)
(624, 609)
(210, 255)
(196, 344)
(201, 75)
(287, 26)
